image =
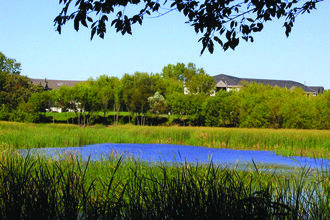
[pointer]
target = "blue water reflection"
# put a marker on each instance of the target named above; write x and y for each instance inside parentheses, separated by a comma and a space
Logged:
(180, 153)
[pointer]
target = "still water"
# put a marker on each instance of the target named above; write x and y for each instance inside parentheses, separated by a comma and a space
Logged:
(181, 153)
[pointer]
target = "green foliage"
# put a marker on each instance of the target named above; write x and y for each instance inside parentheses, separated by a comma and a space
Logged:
(4, 113)
(253, 106)
(109, 92)
(177, 71)
(322, 110)
(181, 72)
(299, 111)
(178, 104)
(172, 86)
(136, 90)
(8, 65)
(15, 89)
(195, 110)
(218, 109)
(201, 83)
(15, 92)
(274, 107)
(224, 22)
(157, 103)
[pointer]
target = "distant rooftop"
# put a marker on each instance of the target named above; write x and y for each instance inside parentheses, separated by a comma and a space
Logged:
(49, 84)
(226, 81)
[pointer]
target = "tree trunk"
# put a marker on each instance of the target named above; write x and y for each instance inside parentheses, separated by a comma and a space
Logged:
(114, 114)
(67, 119)
(72, 117)
(118, 109)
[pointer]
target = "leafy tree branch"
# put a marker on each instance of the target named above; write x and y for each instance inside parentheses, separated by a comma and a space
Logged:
(224, 22)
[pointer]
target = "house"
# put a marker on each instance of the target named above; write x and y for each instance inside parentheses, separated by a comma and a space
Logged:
(49, 84)
(226, 82)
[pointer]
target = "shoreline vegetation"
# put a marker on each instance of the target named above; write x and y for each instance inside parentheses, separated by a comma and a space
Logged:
(287, 142)
(39, 188)
(34, 187)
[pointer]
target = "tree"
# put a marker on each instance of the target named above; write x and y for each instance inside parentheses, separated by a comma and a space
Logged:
(65, 99)
(107, 92)
(178, 103)
(180, 71)
(322, 107)
(86, 95)
(253, 108)
(299, 111)
(172, 86)
(15, 89)
(9, 65)
(201, 83)
(223, 22)
(174, 71)
(218, 109)
(136, 90)
(157, 103)
(195, 104)
(37, 103)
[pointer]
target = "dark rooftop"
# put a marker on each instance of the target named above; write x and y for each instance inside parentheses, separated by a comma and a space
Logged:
(50, 84)
(231, 81)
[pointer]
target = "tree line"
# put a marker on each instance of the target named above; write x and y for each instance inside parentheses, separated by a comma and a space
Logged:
(184, 92)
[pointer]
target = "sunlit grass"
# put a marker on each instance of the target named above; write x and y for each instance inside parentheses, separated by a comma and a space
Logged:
(313, 143)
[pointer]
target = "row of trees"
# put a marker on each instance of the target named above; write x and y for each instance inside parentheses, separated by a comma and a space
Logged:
(23, 101)
(181, 90)
(259, 106)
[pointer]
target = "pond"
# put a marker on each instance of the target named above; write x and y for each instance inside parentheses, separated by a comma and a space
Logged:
(181, 153)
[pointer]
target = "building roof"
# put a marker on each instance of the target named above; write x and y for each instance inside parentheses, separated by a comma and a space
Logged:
(317, 89)
(223, 80)
(50, 84)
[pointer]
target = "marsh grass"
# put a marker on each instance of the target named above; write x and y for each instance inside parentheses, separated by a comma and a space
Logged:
(312, 143)
(34, 187)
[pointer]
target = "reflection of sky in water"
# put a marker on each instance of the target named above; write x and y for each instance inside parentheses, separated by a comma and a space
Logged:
(180, 153)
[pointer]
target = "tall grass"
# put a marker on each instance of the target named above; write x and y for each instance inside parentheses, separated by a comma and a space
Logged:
(37, 188)
(313, 143)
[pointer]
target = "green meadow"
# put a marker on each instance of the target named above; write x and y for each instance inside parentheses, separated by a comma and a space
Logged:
(34, 187)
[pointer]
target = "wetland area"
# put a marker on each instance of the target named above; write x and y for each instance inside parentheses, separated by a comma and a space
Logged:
(130, 174)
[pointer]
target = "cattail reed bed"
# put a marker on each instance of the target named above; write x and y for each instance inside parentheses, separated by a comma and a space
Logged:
(312, 143)
(38, 188)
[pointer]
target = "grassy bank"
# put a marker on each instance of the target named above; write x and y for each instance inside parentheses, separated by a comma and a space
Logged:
(313, 143)
(36, 188)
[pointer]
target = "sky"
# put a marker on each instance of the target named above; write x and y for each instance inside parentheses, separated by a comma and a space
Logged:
(27, 34)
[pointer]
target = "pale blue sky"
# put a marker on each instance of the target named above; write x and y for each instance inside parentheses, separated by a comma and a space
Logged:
(28, 35)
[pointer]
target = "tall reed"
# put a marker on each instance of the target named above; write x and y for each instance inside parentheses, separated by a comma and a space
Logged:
(311, 143)
(113, 188)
